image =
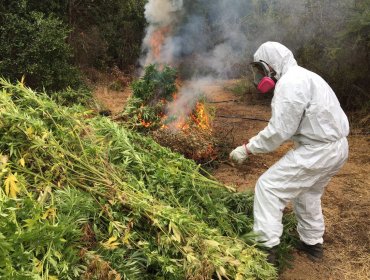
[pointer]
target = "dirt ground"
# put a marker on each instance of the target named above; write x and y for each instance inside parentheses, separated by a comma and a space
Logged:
(346, 202)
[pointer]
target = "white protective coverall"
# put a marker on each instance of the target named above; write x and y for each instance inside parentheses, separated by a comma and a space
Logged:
(306, 110)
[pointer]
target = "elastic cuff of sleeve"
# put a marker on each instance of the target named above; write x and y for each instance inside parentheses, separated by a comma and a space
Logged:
(246, 150)
(251, 151)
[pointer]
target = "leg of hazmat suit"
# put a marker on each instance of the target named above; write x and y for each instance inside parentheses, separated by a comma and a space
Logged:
(301, 177)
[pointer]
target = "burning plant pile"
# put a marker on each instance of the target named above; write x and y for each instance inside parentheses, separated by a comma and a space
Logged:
(83, 198)
(158, 106)
(202, 40)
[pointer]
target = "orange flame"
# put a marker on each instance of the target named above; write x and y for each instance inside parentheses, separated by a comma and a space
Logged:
(146, 124)
(142, 121)
(157, 40)
(201, 117)
(180, 123)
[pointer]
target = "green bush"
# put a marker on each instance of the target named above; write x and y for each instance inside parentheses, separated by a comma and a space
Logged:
(34, 46)
(105, 33)
(150, 95)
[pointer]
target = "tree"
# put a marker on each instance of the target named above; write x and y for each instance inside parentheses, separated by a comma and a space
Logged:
(34, 45)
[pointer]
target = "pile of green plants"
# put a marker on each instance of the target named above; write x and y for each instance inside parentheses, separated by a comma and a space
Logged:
(82, 197)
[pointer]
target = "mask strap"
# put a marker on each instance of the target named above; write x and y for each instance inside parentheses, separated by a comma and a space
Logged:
(270, 73)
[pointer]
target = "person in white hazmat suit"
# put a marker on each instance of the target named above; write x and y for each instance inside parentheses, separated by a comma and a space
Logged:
(306, 110)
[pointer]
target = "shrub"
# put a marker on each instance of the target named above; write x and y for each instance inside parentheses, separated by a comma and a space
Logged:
(34, 46)
(104, 41)
(150, 95)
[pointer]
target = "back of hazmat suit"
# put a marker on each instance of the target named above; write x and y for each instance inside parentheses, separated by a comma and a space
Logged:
(306, 110)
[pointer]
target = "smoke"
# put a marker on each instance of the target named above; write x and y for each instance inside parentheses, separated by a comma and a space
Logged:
(161, 12)
(199, 37)
(217, 38)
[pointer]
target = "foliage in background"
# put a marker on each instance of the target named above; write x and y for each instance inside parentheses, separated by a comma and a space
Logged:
(83, 197)
(105, 33)
(34, 46)
(38, 38)
(331, 38)
(328, 37)
(343, 59)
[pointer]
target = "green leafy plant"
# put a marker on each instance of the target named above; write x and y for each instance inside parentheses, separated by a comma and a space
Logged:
(79, 195)
(150, 95)
(69, 97)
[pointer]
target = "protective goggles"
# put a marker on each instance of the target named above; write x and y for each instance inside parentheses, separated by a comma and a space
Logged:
(263, 76)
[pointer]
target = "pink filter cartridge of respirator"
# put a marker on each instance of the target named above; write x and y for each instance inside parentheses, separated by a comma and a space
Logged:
(266, 84)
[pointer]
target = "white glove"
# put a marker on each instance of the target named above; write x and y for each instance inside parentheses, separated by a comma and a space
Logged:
(239, 155)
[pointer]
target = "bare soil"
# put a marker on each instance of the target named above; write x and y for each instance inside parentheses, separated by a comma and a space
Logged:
(346, 202)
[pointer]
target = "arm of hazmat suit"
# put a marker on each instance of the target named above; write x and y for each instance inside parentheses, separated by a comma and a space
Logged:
(288, 106)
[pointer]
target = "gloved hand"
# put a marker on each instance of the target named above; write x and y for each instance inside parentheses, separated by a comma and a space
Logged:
(239, 155)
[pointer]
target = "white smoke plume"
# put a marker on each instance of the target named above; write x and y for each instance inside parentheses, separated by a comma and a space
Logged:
(162, 17)
(217, 38)
(160, 11)
(199, 37)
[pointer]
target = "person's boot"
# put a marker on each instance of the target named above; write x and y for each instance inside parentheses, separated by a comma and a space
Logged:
(314, 252)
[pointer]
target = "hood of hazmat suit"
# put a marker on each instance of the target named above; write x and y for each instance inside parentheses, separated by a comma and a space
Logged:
(304, 107)
(277, 56)
(306, 110)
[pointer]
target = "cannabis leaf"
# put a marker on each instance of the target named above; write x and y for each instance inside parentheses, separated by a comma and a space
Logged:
(11, 188)
(111, 243)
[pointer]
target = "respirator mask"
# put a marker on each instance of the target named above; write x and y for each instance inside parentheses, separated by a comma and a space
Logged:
(263, 76)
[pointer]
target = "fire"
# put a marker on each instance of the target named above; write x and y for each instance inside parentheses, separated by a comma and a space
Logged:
(181, 123)
(146, 124)
(157, 40)
(189, 134)
(142, 121)
(199, 118)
